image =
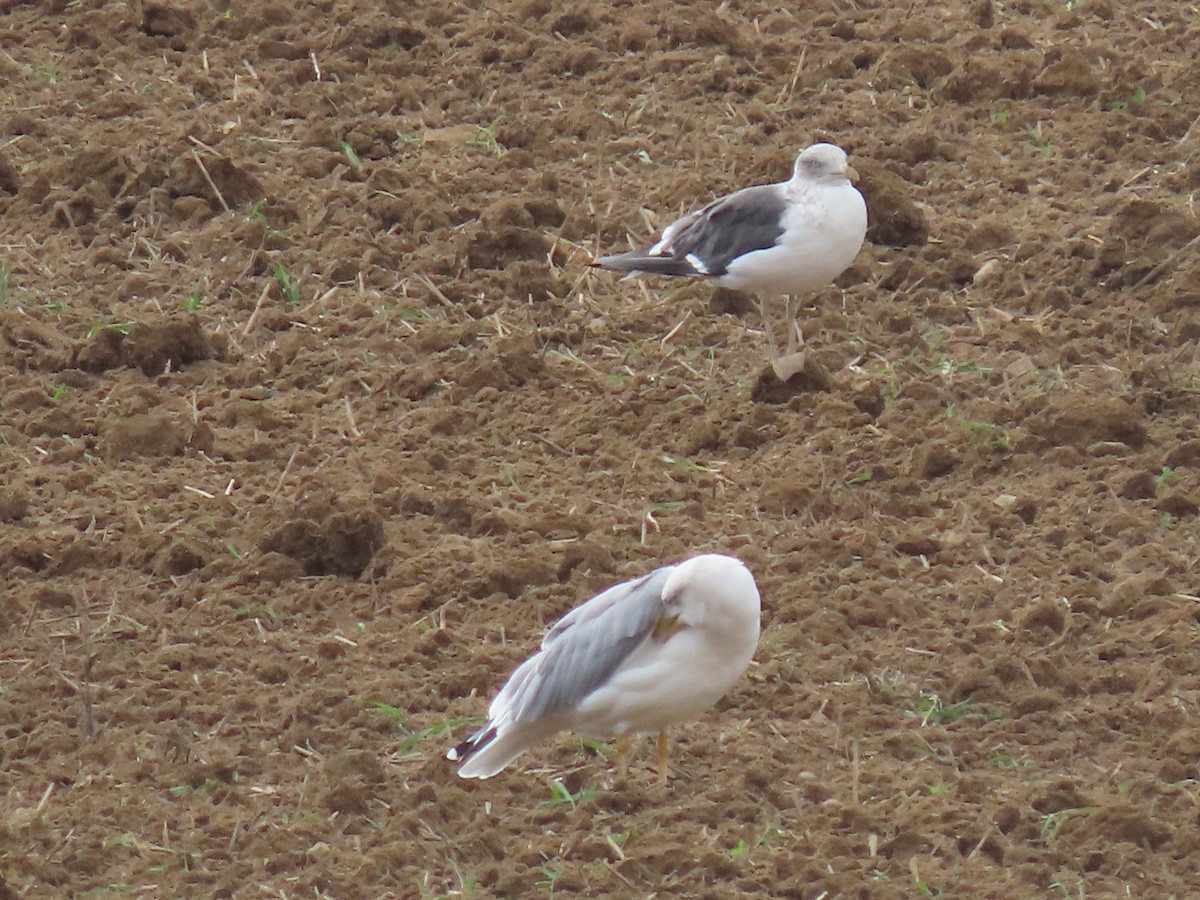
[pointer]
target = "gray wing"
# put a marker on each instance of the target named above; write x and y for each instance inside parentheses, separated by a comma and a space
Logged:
(586, 646)
(747, 220)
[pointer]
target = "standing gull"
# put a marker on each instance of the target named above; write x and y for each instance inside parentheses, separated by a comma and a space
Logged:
(636, 658)
(789, 238)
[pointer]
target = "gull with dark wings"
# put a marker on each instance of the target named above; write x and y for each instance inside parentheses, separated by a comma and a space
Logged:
(789, 238)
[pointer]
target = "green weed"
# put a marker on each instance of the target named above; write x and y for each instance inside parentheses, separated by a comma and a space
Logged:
(392, 712)
(466, 883)
(355, 162)
(1040, 144)
(1138, 96)
(411, 738)
(123, 327)
(1052, 822)
(207, 786)
(256, 212)
(569, 355)
(485, 139)
(255, 611)
(993, 436)
(289, 288)
(45, 72)
(559, 793)
(949, 368)
(552, 873)
(931, 708)
(923, 888)
(687, 465)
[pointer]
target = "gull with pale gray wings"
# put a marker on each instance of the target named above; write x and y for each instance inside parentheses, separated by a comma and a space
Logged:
(790, 238)
(635, 659)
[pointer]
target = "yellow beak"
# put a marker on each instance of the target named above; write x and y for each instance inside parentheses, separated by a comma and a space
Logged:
(666, 627)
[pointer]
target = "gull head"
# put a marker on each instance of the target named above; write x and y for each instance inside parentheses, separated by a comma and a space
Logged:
(823, 163)
(716, 594)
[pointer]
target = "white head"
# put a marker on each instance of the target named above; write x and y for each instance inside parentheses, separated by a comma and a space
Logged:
(823, 163)
(715, 593)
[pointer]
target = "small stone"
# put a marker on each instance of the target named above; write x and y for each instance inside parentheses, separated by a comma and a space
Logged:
(989, 271)
(920, 547)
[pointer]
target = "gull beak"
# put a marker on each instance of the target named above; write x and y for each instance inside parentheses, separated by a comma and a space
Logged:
(666, 628)
(850, 172)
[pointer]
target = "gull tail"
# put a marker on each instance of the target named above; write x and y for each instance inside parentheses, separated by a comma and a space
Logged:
(488, 751)
(639, 261)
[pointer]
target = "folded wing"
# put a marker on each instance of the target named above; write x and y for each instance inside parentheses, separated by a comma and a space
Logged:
(579, 654)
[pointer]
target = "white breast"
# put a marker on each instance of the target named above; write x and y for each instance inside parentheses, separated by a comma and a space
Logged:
(822, 235)
(662, 687)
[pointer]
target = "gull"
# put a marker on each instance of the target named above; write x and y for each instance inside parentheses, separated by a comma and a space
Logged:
(789, 238)
(637, 658)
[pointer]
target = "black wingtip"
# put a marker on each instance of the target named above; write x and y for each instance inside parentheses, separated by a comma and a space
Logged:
(642, 262)
(612, 263)
(472, 745)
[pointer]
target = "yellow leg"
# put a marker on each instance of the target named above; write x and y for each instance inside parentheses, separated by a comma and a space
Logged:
(623, 745)
(664, 754)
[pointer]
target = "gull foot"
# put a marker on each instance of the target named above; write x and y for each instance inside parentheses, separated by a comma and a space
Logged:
(789, 364)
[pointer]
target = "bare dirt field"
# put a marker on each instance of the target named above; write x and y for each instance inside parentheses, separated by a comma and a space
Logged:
(312, 417)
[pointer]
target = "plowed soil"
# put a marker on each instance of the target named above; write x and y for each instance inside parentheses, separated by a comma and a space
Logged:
(312, 417)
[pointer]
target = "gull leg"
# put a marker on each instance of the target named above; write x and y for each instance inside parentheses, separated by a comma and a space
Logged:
(788, 364)
(623, 745)
(664, 755)
(795, 335)
(766, 322)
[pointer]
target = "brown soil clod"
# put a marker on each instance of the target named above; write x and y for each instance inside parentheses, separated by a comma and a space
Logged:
(156, 347)
(342, 544)
(154, 434)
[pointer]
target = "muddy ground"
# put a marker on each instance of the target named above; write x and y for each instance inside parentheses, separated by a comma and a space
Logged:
(312, 417)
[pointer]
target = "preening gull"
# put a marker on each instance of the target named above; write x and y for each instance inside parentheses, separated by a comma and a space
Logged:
(789, 238)
(636, 658)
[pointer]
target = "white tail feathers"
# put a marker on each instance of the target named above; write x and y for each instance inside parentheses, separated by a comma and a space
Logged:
(486, 753)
